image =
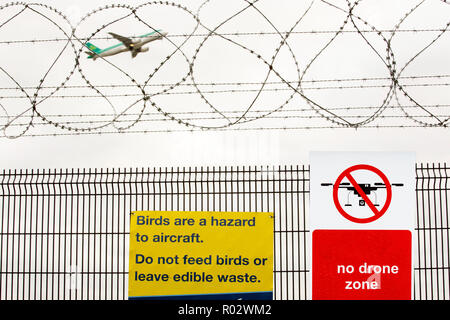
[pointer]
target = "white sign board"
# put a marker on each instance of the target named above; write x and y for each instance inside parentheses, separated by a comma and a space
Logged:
(384, 200)
(362, 218)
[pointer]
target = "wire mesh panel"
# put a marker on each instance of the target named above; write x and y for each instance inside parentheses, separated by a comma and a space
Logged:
(65, 233)
(432, 273)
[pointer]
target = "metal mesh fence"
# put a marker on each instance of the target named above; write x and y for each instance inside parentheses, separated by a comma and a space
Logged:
(432, 271)
(64, 233)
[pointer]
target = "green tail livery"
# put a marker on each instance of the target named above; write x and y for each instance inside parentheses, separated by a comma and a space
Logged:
(93, 48)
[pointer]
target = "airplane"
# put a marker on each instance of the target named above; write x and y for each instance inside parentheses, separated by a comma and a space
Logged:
(126, 44)
(367, 188)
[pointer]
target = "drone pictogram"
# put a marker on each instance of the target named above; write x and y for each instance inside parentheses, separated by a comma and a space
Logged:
(356, 184)
(367, 188)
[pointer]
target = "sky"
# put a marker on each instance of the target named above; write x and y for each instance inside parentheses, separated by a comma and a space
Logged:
(227, 63)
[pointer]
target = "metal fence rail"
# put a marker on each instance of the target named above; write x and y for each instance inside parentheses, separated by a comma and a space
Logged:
(64, 233)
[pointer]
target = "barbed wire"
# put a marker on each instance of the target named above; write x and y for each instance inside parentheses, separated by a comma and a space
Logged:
(237, 89)
(276, 116)
(192, 130)
(394, 90)
(239, 84)
(237, 111)
(258, 34)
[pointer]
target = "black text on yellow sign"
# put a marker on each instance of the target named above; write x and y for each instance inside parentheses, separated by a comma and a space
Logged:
(200, 254)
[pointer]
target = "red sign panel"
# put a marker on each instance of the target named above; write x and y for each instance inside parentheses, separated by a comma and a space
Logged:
(361, 265)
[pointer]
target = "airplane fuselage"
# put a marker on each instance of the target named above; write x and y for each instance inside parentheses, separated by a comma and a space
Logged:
(136, 47)
(111, 52)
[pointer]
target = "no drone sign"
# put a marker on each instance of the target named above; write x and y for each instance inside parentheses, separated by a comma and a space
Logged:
(362, 222)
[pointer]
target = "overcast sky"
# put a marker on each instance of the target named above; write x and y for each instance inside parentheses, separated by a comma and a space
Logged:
(219, 61)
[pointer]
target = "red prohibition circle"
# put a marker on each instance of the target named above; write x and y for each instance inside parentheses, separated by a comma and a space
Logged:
(347, 174)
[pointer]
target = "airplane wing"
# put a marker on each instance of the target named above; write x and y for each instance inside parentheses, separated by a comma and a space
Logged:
(126, 41)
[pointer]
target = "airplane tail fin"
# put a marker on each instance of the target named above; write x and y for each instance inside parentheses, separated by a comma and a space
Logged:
(93, 48)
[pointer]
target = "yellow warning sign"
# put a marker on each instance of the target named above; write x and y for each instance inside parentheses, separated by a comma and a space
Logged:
(224, 255)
